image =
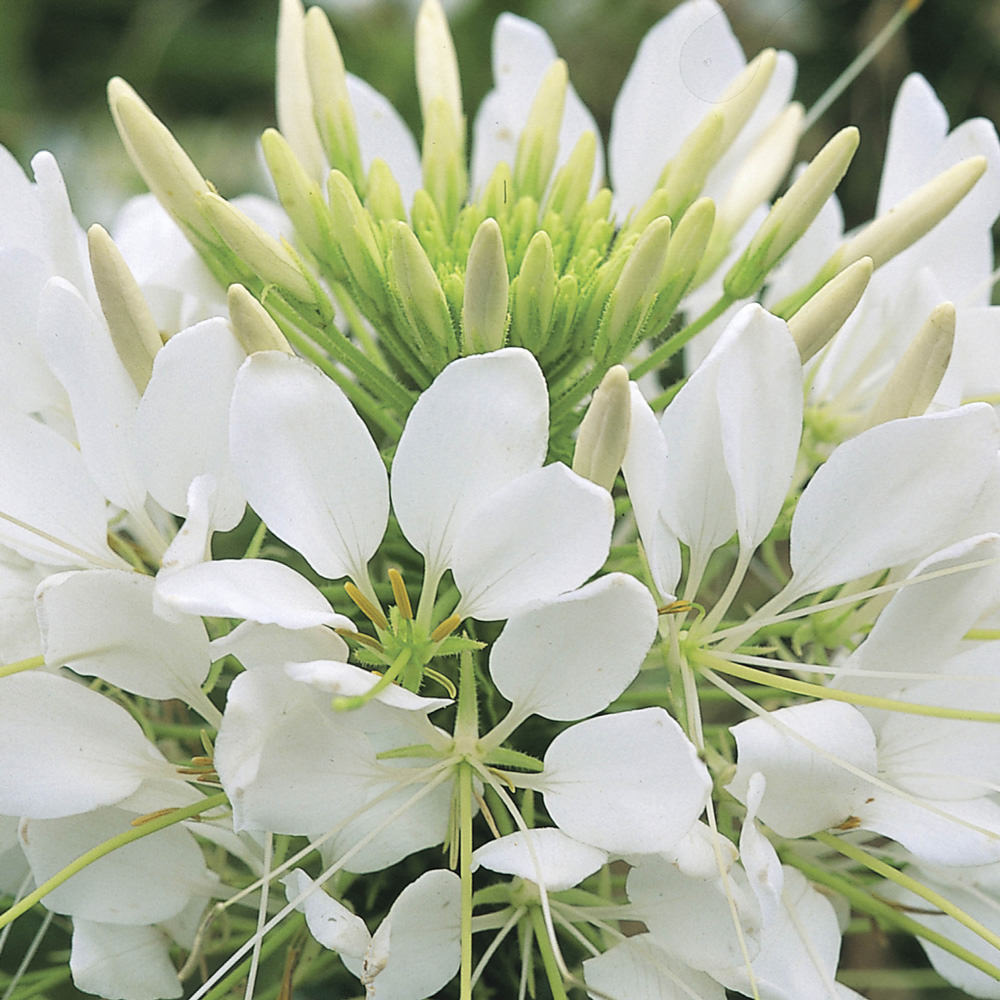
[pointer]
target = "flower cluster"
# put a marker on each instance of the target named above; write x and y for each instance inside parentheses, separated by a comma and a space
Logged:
(477, 568)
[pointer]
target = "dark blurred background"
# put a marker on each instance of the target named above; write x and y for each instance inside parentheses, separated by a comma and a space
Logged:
(207, 66)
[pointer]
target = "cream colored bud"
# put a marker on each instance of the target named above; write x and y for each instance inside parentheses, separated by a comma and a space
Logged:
(252, 323)
(164, 166)
(294, 103)
(356, 238)
(442, 160)
(571, 185)
(539, 143)
(814, 324)
(437, 64)
(332, 107)
(603, 435)
(484, 304)
(913, 217)
(740, 99)
(917, 375)
(792, 214)
(761, 172)
(419, 294)
(684, 176)
(133, 329)
(383, 198)
(300, 196)
(257, 250)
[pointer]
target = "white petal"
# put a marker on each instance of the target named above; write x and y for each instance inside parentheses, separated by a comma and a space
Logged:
(806, 788)
(182, 424)
(144, 882)
(892, 494)
(347, 680)
(646, 476)
(629, 782)
(692, 918)
(522, 52)
(79, 351)
(424, 949)
(759, 858)
(574, 655)
(125, 643)
(383, 135)
(258, 589)
(308, 464)
(540, 536)
(684, 62)
(46, 485)
(256, 645)
(329, 922)
(546, 857)
(130, 963)
(482, 423)
(65, 749)
(760, 402)
(639, 970)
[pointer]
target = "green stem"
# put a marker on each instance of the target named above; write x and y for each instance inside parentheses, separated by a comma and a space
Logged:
(256, 543)
(671, 346)
(552, 972)
(95, 853)
(917, 888)
(862, 900)
(765, 679)
(465, 873)
(15, 668)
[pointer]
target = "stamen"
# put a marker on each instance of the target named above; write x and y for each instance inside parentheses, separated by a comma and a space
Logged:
(675, 608)
(365, 640)
(399, 593)
(441, 679)
(446, 628)
(367, 607)
(149, 817)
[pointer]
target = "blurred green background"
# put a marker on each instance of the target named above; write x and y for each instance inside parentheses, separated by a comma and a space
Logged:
(206, 67)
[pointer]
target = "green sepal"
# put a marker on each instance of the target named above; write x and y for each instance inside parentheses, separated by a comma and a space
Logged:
(456, 644)
(415, 750)
(505, 757)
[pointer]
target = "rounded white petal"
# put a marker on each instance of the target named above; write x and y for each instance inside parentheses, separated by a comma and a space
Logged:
(646, 476)
(65, 749)
(346, 680)
(101, 623)
(639, 970)
(257, 589)
(329, 922)
(256, 645)
(481, 424)
(895, 493)
(423, 950)
(144, 882)
(628, 783)
(684, 62)
(546, 857)
(112, 960)
(182, 424)
(308, 464)
(807, 790)
(574, 655)
(540, 536)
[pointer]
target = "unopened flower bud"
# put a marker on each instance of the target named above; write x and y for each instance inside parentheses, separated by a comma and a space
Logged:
(294, 102)
(356, 239)
(332, 107)
(914, 216)
(539, 142)
(604, 431)
(571, 185)
(442, 159)
(917, 375)
(637, 287)
(532, 294)
(164, 166)
(300, 196)
(252, 323)
(484, 305)
(792, 214)
(419, 294)
(437, 64)
(133, 329)
(256, 249)
(813, 326)
(383, 198)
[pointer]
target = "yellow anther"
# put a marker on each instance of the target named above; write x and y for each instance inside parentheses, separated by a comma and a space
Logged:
(445, 628)
(365, 640)
(367, 607)
(675, 608)
(149, 817)
(399, 593)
